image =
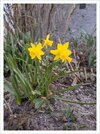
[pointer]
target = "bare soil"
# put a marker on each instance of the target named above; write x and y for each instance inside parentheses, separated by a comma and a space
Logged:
(23, 118)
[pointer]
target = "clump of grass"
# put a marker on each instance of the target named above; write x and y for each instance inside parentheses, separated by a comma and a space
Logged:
(30, 76)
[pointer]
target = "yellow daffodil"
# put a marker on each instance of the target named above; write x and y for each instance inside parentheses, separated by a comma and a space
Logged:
(48, 42)
(36, 51)
(62, 52)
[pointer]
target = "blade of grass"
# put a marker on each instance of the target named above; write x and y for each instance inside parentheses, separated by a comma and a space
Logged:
(75, 102)
(65, 90)
(63, 74)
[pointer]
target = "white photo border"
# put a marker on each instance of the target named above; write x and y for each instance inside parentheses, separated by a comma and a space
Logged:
(97, 2)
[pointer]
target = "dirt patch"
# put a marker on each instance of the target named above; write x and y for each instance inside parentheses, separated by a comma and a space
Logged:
(23, 118)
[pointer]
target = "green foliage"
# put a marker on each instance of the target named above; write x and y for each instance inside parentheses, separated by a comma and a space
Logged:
(85, 47)
(29, 78)
(69, 127)
(70, 115)
(91, 49)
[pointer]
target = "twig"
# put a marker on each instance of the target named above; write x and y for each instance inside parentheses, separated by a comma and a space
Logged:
(62, 85)
(76, 75)
(85, 84)
(67, 66)
(59, 40)
(85, 73)
(8, 106)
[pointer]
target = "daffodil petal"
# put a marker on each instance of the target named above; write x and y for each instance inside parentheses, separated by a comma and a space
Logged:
(54, 52)
(29, 49)
(48, 36)
(39, 46)
(56, 57)
(68, 52)
(49, 42)
(39, 57)
(41, 53)
(69, 59)
(59, 46)
(32, 56)
(66, 45)
(33, 45)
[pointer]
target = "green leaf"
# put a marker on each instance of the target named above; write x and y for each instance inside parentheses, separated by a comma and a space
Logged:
(68, 112)
(38, 103)
(36, 92)
(76, 102)
(63, 74)
(92, 60)
(24, 82)
(18, 100)
(8, 87)
(67, 89)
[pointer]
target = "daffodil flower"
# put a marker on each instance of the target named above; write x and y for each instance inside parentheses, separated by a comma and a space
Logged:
(36, 51)
(62, 52)
(48, 42)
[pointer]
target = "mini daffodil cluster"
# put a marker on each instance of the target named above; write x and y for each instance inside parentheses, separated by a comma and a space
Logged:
(62, 52)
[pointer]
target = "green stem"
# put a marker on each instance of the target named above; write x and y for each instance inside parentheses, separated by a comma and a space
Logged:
(35, 71)
(49, 75)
